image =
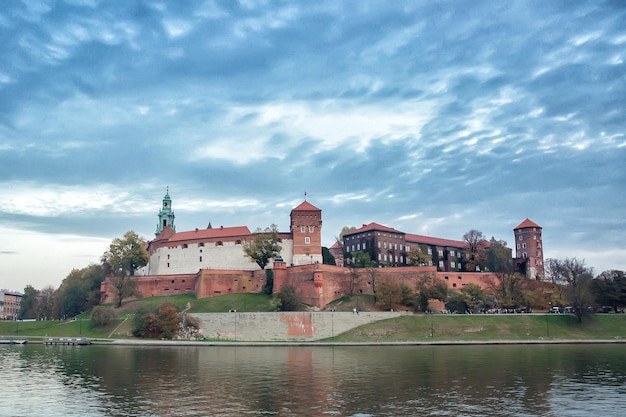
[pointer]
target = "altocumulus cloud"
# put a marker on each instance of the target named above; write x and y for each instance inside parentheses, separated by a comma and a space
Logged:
(429, 117)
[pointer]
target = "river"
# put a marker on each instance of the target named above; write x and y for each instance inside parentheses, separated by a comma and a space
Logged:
(519, 380)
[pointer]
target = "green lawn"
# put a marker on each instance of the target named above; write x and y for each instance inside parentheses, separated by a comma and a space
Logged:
(489, 327)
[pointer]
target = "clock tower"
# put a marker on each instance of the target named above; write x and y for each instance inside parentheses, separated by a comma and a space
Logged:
(166, 215)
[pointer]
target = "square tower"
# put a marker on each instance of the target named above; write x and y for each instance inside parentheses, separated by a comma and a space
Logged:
(306, 229)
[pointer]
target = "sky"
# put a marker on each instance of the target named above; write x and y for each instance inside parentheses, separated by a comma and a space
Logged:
(431, 117)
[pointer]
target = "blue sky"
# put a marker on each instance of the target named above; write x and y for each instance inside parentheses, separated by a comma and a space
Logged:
(432, 117)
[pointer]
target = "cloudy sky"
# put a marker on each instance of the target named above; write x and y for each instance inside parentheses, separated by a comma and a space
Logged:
(432, 117)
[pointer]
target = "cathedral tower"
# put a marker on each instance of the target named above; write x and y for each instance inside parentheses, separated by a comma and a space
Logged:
(166, 215)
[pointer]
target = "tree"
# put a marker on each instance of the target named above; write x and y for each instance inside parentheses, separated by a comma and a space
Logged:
(46, 303)
(577, 278)
(29, 303)
(507, 289)
(429, 287)
(609, 289)
(288, 300)
(327, 257)
(264, 246)
(416, 256)
(167, 320)
(499, 257)
(359, 260)
(124, 257)
(389, 294)
(474, 250)
(344, 230)
(102, 316)
(475, 297)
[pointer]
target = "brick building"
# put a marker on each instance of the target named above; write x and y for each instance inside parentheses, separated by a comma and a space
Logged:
(529, 249)
(10, 304)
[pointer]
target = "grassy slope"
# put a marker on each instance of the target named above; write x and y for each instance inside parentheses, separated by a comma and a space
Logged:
(435, 327)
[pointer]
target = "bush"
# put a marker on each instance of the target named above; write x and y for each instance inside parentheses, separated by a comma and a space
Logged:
(288, 299)
(163, 324)
(102, 316)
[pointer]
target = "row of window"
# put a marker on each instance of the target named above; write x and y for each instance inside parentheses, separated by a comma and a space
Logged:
(311, 229)
(524, 245)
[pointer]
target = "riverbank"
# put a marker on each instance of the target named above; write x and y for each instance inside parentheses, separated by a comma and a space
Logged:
(365, 328)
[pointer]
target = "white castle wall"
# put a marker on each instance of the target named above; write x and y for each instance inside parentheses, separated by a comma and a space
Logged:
(189, 260)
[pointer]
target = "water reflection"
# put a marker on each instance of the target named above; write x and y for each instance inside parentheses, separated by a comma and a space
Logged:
(314, 381)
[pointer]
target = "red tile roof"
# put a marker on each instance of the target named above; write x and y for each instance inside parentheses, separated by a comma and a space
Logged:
(218, 232)
(335, 245)
(306, 206)
(527, 223)
(373, 226)
(429, 240)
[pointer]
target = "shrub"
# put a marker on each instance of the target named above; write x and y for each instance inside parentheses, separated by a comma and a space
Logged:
(102, 316)
(288, 299)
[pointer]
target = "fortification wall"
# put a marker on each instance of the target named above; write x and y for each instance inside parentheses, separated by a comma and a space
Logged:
(316, 285)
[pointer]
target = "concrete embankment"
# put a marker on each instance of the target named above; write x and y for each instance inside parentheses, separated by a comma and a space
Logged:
(285, 326)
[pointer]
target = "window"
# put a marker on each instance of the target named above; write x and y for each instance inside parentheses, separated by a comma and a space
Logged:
(518, 246)
(385, 245)
(379, 256)
(520, 237)
(307, 240)
(524, 255)
(219, 243)
(453, 264)
(363, 245)
(452, 253)
(395, 246)
(440, 264)
(385, 257)
(379, 243)
(311, 229)
(184, 246)
(358, 246)
(535, 237)
(440, 252)
(524, 245)
(201, 259)
(302, 229)
(237, 242)
(430, 251)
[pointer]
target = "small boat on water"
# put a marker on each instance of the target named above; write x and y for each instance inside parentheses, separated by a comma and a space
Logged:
(83, 341)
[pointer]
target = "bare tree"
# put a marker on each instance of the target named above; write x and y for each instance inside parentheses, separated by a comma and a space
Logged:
(577, 279)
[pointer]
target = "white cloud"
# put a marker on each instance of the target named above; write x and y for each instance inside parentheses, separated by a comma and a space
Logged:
(52, 257)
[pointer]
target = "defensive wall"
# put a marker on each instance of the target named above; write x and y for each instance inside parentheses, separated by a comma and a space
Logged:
(315, 284)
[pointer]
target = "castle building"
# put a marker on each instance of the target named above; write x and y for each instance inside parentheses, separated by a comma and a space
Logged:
(529, 249)
(385, 245)
(390, 247)
(187, 252)
(445, 254)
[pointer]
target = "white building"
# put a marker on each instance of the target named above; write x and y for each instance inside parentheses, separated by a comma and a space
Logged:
(188, 252)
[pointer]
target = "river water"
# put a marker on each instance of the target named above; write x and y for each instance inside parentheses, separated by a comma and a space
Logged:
(522, 380)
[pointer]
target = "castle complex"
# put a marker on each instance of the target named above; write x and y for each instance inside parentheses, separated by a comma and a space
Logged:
(212, 261)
